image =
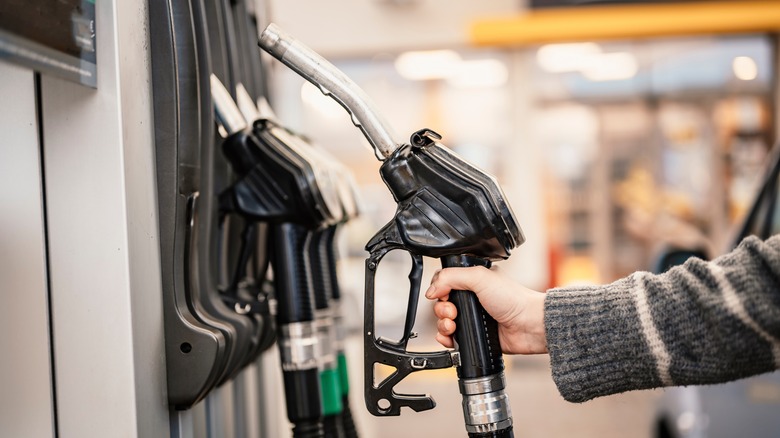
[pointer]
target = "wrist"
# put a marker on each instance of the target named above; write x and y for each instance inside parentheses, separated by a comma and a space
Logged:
(535, 323)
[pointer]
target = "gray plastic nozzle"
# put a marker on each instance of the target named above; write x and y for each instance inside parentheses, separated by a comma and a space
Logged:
(334, 83)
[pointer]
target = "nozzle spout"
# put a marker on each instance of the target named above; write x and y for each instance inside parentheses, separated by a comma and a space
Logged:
(334, 83)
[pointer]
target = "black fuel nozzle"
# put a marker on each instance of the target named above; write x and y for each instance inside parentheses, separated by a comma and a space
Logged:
(328, 320)
(331, 258)
(325, 324)
(447, 209)
(278, 191)
(338, 419)
(282, 181)
(450, 210)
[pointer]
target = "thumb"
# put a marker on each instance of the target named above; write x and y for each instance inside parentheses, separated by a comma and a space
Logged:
(448, 279)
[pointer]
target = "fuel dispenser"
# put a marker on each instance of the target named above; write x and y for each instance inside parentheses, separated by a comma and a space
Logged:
(232, 206)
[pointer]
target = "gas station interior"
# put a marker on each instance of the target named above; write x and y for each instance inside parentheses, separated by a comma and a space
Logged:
(610, 151)
(615, 136)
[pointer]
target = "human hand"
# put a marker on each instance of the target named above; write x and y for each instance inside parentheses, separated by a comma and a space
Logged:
(518, 310)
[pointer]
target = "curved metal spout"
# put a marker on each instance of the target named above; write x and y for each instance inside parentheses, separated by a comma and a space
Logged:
(334, 83)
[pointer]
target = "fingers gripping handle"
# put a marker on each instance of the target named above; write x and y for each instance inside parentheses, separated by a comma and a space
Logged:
(476, 332)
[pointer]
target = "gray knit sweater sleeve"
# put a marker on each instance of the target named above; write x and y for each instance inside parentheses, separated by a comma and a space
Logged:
(699, 323)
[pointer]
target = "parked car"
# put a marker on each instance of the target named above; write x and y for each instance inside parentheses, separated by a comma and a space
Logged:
(748, 408)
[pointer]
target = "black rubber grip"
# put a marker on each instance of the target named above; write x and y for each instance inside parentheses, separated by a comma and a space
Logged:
(319, 270)
(476, 332)
(329, 236)
(291, 279)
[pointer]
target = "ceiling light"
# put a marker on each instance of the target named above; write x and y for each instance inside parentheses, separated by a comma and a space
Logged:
(428, 65)
(611, 67)
(745, 68)
(561, 58)
(482, 73)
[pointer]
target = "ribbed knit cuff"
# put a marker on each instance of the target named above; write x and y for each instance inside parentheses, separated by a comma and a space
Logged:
(595, 340)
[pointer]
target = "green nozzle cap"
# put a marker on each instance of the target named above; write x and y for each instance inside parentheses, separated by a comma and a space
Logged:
(331, 392)
(343, 374)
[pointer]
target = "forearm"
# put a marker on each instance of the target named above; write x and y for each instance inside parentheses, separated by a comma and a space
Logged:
(699, 323)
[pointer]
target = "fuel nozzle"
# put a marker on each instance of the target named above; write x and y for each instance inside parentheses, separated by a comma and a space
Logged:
(447, 209)
(303, 221)
(338, 420)
(450, 210)
(282, 182)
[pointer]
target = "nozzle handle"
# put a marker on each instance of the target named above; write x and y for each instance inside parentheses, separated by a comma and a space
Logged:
(476, 331)
(295, 300)
(486, 408)
(320, 270)
(297, 340)
(334, 83)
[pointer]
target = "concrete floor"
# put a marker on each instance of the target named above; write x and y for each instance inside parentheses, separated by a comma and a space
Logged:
(538, 410)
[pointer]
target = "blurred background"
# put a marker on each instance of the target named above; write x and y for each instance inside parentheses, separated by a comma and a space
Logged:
(617, 133)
